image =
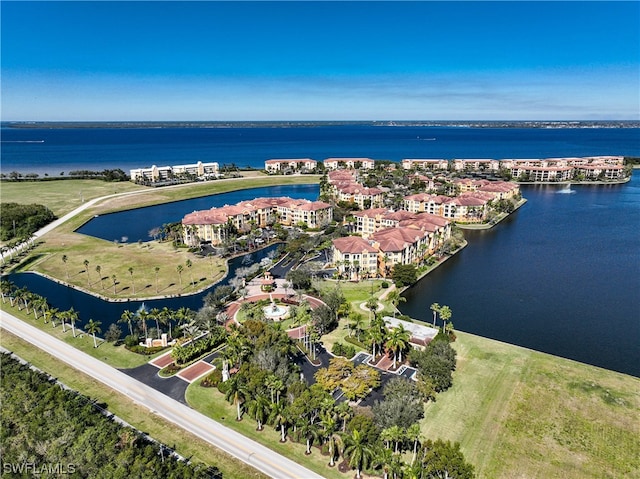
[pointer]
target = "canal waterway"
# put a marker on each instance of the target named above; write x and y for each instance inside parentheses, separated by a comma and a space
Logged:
(562, 276)
(135, 225)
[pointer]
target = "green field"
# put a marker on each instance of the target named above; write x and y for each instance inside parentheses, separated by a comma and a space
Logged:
(520, 413)
(61, 196)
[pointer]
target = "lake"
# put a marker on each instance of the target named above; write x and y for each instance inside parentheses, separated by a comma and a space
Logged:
(561, 275)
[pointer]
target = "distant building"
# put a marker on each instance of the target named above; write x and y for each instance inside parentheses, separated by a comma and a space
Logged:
(349, 163)
(476, 165)
(425, 164)
(166, 174)
(293, 165)
(154, 174)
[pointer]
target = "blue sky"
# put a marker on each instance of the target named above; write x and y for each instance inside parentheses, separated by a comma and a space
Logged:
(320, 60)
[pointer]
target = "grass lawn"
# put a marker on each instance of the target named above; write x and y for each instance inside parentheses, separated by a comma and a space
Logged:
(355, 294)
(61, 196)
(155, 196)
(211, 402)
(116, 356)
(521, 413)
(182, 441)
(116, 259)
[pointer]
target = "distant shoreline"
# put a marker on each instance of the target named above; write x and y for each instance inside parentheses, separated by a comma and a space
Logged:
(309, 124)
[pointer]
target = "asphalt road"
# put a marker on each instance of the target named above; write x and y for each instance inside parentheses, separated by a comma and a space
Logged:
(244, 449)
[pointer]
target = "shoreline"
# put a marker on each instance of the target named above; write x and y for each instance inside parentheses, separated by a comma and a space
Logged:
(488, 226)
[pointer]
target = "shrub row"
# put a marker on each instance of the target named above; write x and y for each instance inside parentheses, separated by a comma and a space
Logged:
(184, 354)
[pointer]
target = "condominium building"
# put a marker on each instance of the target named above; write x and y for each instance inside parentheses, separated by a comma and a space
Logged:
(349, 163)
(293, 165)
(216, 225)
(163, 174)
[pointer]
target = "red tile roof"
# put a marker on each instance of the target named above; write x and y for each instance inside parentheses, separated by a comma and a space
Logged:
(353, 244)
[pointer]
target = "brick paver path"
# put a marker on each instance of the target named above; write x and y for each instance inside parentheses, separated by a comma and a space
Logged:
(162, 361)
(195, 371)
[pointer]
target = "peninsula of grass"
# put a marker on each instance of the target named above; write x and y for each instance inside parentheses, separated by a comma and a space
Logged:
(63, 196)
(184, 443)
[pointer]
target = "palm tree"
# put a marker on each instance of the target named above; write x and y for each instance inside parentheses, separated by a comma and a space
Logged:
(357, 451)
(99, 271)
(189, 264)
(396, 434)
(236, 394)
(183, 316)
(133, 284)
(143, 315)
(274, 384)
(64, 260)
(445, 315)
(113, 278)
(435, 307)
(259, 407)
(155, 314)
(330, 425)
(6, 289)
(86, 269)
(39, 303)
(279, 417)
(356, 323)
(165, 318)
(126, 317)
(413, 434)
(383, 458)
(73, 316)
(50, 315)
(397, 341)
(372, 306)
(157, 270)
(63, 317)
(92, 328)
(345, 413)
(311, 432)
(396, 298)
(179, 269)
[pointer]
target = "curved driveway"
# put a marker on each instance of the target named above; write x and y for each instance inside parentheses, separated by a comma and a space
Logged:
(242, 448)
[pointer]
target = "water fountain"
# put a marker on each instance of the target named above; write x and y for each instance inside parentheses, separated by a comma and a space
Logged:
(276, 312)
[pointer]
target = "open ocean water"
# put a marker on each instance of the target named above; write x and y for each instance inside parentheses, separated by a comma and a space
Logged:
(56, 150)
(562, 275)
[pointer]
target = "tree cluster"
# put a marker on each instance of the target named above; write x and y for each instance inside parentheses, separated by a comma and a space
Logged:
(21, 221)
(435, 363)
(44, 424)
